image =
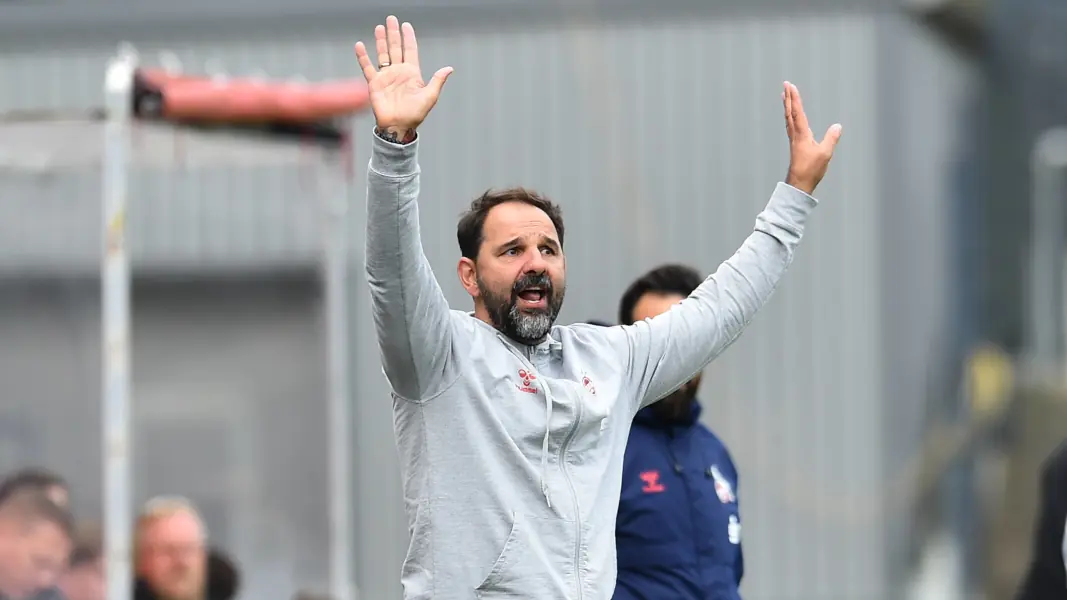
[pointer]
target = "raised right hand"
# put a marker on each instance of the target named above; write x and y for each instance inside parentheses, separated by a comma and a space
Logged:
(399, 97)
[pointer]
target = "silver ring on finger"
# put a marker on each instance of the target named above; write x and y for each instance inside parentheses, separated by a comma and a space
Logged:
(383, 65)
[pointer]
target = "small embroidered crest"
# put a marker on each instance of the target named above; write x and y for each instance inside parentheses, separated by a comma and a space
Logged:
(723, 489)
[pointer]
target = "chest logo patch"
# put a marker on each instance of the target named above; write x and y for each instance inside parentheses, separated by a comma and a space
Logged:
(588, 383)
(652, 483)
(723, 489)
(526, 379)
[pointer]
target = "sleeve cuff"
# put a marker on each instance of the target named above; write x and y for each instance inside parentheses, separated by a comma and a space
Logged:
(790, 207)
(394, 160)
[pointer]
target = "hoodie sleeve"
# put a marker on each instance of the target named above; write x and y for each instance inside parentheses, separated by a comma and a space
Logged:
(668, 350)
(411, 315)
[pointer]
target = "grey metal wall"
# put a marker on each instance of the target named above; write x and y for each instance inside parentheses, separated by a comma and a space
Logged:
(924, 132)
(662, 139)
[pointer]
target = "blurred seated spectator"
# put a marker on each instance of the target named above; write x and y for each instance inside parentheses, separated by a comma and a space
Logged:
(35, 543)
(85, 578)
(172, 559)
(36, 479)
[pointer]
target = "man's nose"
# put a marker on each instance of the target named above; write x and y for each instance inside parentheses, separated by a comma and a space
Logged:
(536, 265)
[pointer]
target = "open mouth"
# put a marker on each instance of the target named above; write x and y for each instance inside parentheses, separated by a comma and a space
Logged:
(533, 297)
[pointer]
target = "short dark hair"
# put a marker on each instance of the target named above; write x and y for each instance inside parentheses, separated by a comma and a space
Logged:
(32, 506)
(666, 279)
(34, 478)
(471, 229)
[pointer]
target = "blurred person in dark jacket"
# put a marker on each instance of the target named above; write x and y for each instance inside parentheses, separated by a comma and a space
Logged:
(35, 543)
(172, 558)
(85, 577)
(1046, 578)
(678, 533)
(36, 479)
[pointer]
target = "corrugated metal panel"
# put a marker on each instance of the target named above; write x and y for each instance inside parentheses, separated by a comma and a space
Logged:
(23, 22)
(922, 222)
(662, 140)
(187, 211)
(217, 219)
(226, 217)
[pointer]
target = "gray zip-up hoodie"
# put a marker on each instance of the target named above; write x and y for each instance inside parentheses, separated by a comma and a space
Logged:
(512, 455)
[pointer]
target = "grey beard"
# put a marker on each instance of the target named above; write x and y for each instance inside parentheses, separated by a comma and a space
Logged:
(525, 328)
(530, 326)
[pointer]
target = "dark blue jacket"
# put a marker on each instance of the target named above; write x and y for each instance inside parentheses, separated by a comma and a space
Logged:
(678, 531)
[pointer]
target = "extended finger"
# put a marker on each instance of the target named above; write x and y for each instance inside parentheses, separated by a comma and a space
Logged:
(411, 47)
(392, 34)
(787, 103)
(364, 62)
(438, 80)
(833, 134)
(799, 118)
(380, 45)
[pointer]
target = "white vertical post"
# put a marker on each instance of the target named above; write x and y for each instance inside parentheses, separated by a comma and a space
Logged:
(342, 583)
(1049, 222)
(115, 292)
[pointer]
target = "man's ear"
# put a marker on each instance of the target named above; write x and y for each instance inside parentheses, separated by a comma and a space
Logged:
(467, 270)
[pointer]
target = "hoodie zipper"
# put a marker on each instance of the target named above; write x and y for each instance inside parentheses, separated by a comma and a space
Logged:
(574, 497)
(567, 477)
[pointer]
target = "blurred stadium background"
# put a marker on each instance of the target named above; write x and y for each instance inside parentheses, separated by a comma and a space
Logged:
(888, 411)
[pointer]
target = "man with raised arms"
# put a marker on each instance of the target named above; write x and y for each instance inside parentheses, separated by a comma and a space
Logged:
(511, 430)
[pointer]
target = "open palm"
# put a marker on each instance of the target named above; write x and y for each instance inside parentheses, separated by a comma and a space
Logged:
(399, 97)
(808, 157)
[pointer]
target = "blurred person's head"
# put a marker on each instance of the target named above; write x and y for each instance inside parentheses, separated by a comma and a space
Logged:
(171, 549)
(35, 542)
(36, 479)
(512, 262)
(85, 578)
(653, 294)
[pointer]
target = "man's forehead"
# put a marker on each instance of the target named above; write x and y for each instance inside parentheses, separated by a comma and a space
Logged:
(518, 220)
(47, 530)
(177, 524)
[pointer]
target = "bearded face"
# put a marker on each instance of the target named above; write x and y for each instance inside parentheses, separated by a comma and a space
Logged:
(518, 278)
(526, 310)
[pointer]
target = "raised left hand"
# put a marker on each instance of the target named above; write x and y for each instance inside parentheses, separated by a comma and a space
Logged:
(399, 97)
(808, 158)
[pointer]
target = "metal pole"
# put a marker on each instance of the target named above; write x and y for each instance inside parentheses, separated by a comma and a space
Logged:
(1046, 322)
(342, 584)
(115, 292)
